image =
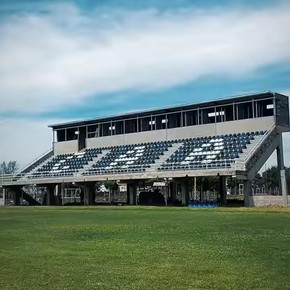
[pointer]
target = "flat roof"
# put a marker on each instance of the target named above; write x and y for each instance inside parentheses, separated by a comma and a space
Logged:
(155, 111)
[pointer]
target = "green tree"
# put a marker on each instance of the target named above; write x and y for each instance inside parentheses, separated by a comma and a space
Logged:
(112, 186)
(8, 168)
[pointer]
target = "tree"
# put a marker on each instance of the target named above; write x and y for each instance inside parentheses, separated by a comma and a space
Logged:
(8, 168)
(271, 177)
(111, 186)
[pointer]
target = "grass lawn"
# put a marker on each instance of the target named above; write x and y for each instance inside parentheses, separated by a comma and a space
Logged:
(144, 248)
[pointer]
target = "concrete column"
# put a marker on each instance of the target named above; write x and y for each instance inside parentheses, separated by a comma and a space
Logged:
(16, 194)
(184, 192)
(57, 194)
(4, 196)
(132, 193)
(222, 190)
(89, 193)
(195, 191)
(173, 185)
(247, 192)
(50, 198)
(281, 168)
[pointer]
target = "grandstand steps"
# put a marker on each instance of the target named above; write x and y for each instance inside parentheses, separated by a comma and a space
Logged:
(154, 167)
(95, 160)
(240, 163)
(262, 153)
(258, 152)
(27, 196)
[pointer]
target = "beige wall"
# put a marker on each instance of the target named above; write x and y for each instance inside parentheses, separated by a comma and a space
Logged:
(185, 132)
(65, 147)
(267, 200)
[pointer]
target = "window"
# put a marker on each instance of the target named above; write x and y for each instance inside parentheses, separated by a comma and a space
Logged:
(208, 115)
(265, 108)
(131, 126)
(93, 131)
(119, 127)
(60, 135)
(244, 111)
(72, 134)
(161, 122)
(190, 118)
(174, 120)
(105, 129)
(144, 124)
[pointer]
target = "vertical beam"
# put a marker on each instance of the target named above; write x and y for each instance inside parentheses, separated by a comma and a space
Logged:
(194, 193)
(247, 192)
(132, 193)
(89, 193)
(16, 193)
(222, 190)
(184, 192)
(58, 192)
(281, 168)
(4, 196)
(50, 194)
(173, 190)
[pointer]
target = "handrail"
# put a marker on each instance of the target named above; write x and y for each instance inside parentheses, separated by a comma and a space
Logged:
(6, 178)
(258, 144)
(31, 163)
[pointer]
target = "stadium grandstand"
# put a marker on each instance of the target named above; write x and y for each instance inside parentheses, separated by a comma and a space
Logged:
(173, 148)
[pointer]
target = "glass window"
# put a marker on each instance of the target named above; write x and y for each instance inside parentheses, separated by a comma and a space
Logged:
(174, 120)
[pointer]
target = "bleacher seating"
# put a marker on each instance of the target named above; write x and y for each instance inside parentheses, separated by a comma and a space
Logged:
(67, 164)
(129, 158)
(207, 152)
(203, 204)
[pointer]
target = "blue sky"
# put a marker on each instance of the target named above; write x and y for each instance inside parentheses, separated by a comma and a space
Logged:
(64, 60)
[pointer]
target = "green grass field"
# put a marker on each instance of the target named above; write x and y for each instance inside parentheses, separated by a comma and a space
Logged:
(144, 248)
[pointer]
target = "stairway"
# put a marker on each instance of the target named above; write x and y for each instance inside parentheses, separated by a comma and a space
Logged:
(257, 153)
(27, 196)
(154, 167)
(95, 160)
(263, 152)
(240, 162)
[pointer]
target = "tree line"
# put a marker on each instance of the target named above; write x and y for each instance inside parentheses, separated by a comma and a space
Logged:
(8, 167)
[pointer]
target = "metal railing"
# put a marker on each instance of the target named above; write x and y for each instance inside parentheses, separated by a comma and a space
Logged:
(259, 143)
(241, 165)
(34, 161)
(20, 178)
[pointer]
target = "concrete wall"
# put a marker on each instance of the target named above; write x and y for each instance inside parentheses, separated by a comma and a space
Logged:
(266, 200)
(1, 201)
(65, 147)
(185, 132)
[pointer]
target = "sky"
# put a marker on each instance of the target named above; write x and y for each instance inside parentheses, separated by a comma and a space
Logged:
(70, 60)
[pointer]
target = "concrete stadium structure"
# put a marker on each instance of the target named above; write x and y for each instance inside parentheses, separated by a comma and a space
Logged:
(176, 145)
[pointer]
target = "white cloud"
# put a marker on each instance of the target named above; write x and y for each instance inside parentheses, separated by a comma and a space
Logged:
(59, 58)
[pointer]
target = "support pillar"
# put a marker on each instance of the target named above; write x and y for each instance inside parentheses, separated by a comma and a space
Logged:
(184, 192)
(16, 194)
(50, 199)
(89, 193)
(132, 193)
(4, 196)
(247, 192)
(282, 175)
(58, 192)
(222, 190)
(194, 190)
(173, 186)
